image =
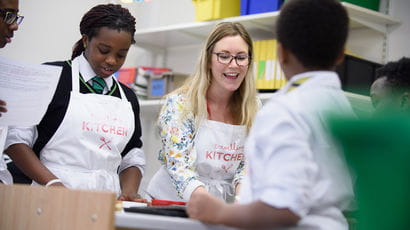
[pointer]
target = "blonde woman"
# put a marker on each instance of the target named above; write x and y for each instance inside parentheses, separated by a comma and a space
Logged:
(204, 123)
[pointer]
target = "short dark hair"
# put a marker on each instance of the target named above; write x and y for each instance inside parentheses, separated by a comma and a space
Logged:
(113, 16)
(397, 73)
(315, 31)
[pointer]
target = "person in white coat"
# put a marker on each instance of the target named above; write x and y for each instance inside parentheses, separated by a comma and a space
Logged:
(297, 178)
(90, 136)
(9, 22)
(204, 123)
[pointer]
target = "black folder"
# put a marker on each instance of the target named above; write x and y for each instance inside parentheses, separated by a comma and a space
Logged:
(171, 210)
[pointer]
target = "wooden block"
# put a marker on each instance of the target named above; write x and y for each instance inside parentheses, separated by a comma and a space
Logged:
(55, 208)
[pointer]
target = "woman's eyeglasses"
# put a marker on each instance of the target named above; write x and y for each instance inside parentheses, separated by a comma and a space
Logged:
(226, 58)
(11, 17)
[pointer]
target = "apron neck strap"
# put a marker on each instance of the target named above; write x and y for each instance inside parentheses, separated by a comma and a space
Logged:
(75, 72)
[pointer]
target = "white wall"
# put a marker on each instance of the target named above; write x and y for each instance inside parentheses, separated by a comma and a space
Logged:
(159, 13)
(51, 27)
(398, 38)
(49, 30)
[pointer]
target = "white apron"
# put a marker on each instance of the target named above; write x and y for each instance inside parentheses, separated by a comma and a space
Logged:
(85, 151)
(5, 176)
(219, 150)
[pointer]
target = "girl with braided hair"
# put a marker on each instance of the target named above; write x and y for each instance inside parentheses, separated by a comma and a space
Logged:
(90, 136)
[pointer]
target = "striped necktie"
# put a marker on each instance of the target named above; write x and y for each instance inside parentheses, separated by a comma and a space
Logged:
(98, 84)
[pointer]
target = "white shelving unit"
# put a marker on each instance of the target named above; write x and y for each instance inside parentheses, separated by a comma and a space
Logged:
(196, 32)
(150, 103)
(364, 18)
(260, 26)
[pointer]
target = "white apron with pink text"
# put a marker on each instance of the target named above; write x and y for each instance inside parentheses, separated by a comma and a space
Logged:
(85, 152)
(220, 150)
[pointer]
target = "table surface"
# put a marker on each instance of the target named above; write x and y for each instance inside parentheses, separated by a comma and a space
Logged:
(148, 221)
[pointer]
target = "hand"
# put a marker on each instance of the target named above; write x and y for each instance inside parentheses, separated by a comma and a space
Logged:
(132, 197)
(204, 207)
(58, 184)
(3, 108)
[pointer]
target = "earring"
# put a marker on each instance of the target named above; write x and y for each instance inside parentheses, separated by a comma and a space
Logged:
(85, 46)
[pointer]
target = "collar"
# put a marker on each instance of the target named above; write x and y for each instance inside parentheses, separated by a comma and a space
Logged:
(312, 74)
(87, 72)
(323, 78)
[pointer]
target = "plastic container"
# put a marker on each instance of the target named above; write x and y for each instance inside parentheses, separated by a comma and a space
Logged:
(259, 6)
(127, 75)
(206, 10)
(369, 4)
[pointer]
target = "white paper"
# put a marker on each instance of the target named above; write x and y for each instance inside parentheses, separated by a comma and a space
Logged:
(27, 89)
(130, 204)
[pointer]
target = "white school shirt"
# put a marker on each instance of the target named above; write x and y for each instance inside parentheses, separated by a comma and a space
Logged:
(28, 135)
(291, 162)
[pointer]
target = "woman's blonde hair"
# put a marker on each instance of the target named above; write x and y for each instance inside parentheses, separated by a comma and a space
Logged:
(244, 103)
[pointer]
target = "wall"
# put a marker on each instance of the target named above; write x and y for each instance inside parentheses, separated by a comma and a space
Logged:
(398, 38)
(51, 27)
(49, 30)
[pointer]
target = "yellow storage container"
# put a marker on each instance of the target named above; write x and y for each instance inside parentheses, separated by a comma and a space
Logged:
(206, 10)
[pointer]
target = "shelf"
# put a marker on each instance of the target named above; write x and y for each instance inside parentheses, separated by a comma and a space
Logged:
(260, 26)
(361, 17)
(156, 104)
(194, 33)
(361, 105)
(150, 105)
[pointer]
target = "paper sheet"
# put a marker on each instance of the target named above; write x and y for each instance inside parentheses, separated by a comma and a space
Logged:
(27, 89)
